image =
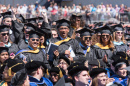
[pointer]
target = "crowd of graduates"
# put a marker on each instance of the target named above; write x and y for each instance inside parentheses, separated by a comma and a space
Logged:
(36, 52)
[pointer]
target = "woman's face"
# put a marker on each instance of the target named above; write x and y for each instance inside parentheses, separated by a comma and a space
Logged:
(42, 39)
(62, 64)
(105, 37)
(102, 79)
(4, 56)
(121, 71)
(119, 34)
(54, 77)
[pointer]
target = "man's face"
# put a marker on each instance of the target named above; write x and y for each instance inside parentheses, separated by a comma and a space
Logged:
(7, 21)
(54, 34)
(63, 31)
(4, 36)
(34, 42)
(83, 77)
(86, 40)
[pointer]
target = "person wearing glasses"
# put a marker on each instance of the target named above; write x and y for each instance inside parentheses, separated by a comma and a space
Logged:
(5, 40)
(36, 71)
(119, 39)
(105, 48)
(86, 44)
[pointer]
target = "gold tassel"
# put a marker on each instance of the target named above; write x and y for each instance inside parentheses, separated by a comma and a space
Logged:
(47, 72)
(98, 63)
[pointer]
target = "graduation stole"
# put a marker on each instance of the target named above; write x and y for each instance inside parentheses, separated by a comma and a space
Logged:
(41, 46)
(61, 41)
(102, 47)
(87, 50)
(3, 83)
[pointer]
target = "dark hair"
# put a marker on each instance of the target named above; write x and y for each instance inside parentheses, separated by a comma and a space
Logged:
(117, 67)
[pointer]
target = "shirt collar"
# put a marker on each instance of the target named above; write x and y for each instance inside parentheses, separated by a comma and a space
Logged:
(83, 46)
(62, 38)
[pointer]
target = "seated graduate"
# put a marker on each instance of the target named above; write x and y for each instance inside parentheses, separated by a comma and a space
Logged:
(80, 75)
(20, 79)
(32, 52)
(120, 75)
(10, 68)
(104, 49)
(36, 71)
(119, 39)
(5, 40)
(66, 44)
(86, 44)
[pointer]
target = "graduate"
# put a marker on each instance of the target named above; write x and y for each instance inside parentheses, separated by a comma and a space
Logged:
(86, 43)
(104, 49)
(5, 40)
(36, 71)
(119, 39)
(10, 68)
(67, 45)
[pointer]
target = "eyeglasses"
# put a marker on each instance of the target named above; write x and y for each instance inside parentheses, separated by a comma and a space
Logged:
(35, 40)
(54, 75)
(62, 63)
(105, 36)
(87, 38)
(4, 34)
(119, 32)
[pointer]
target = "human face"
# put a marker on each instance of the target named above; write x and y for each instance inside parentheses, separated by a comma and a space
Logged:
(4, 56)
(54, 34)
(26, 82)
(78, 20)
(83, 77)
(63, 31)
(86, 40)
(7, 21)
(54, 77)
(105, 37)
(121, 71)
(42, 39)
(119, 34)
(4, 36)
(102, 79)
(63, 65)
(34, 42)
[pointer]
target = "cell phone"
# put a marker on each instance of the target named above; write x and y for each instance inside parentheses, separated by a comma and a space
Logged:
(12, 54)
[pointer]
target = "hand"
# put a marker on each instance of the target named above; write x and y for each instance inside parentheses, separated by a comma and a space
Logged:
(67, 52)
(128, 52)
(105, 58)
(12, 55)
(56, 53)
(110, 80)
(70, 58)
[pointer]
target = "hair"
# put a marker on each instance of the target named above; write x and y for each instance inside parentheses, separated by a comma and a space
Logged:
(122, 39)
(110, 42)
(95, 39)
(32, 73)
(117, 67)
(63, 60)
(95, 82)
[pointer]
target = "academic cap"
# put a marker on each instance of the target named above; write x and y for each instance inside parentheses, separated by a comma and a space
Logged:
(4, 28)
(117, 27)
(32, 20)
(68, 80)
(21, 18)
(56, 70)
(33, 34)
(127, 68)
(30, 26)
(34, 65)
(76, 15)
(63, 22)
(95, 71)
(85, 32)
(105, 29)
(19, 78)
(76, 69)
(3, 49)
(72, 65)
(7, 15)
(66, 59)
(97, 62)
(14, 65)
(123, 55)
(40, 19)
(120, 61)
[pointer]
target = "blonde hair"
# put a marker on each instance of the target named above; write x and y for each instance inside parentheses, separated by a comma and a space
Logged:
(122, 39)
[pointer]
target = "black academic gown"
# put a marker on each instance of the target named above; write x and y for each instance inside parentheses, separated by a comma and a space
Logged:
(65, 46)
(13, 48)
(101, 52)
(39, 56)
(121, 48)
(22, 44)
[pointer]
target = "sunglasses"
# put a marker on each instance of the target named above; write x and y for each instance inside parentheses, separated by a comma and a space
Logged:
(105, 35)
(87, 38)
(119, 32)
(35, 40)
(4, 34)
(54, 75)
